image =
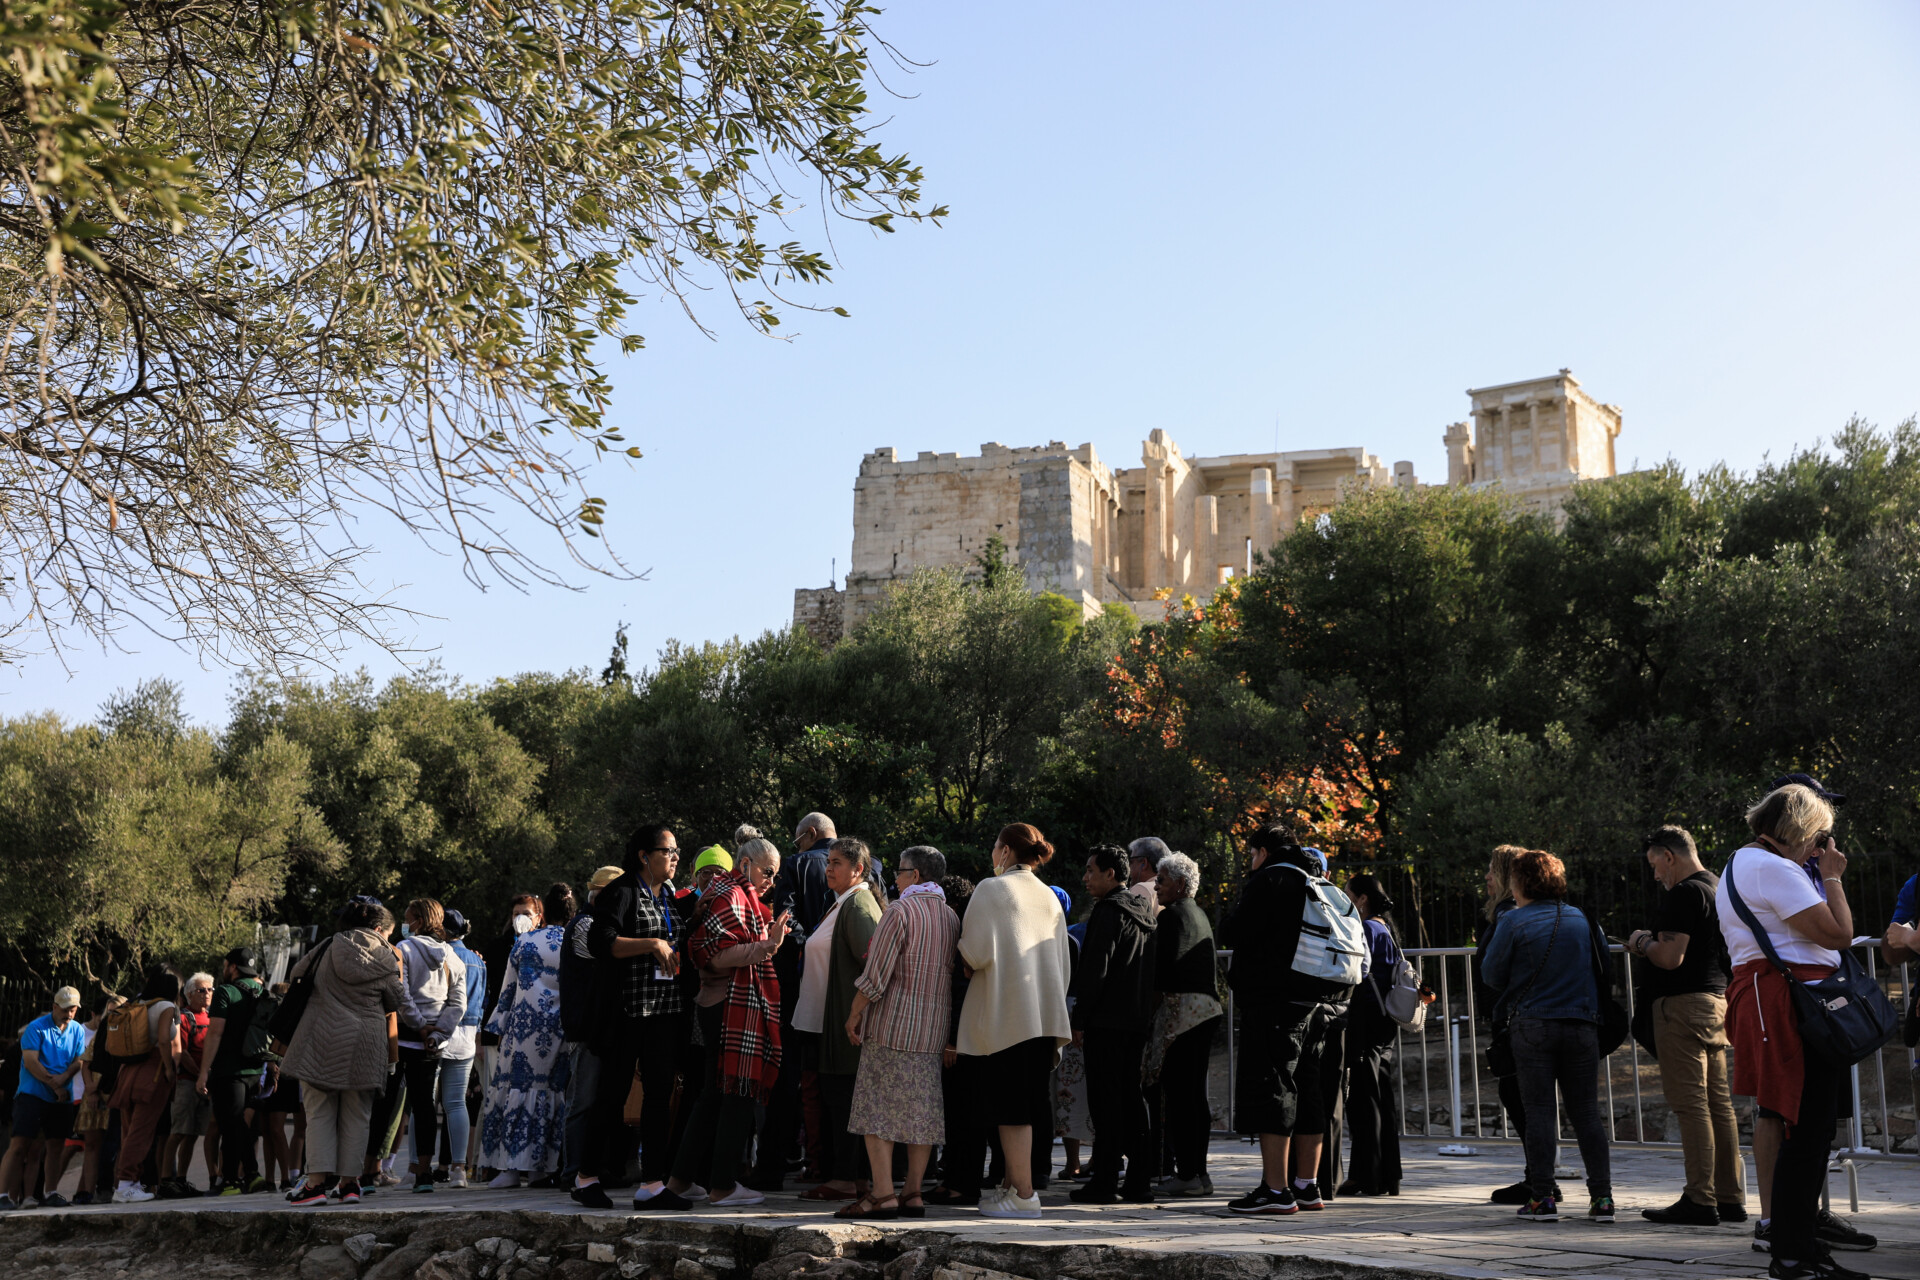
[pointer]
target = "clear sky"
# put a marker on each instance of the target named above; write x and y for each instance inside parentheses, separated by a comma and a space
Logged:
(1242, 222)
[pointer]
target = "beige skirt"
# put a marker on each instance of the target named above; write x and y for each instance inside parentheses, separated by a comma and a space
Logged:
(896, 1096)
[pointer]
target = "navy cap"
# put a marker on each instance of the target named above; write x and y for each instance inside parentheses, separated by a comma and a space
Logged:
(1810, 782)
(456, 924)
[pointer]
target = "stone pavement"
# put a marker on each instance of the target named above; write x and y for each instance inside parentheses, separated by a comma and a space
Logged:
(1440, 1223)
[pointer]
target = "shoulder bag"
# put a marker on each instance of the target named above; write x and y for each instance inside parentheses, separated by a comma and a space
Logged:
(1500, 1051)
(1614, 1023)
(1844, 1017)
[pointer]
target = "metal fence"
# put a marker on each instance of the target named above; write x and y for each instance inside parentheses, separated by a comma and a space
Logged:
(1456, 1023)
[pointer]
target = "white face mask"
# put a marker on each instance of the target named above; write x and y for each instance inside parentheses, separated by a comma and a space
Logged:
(522, 923)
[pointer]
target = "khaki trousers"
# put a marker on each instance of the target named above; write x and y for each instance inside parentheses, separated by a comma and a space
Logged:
(1690, 1035)
(337, 1123)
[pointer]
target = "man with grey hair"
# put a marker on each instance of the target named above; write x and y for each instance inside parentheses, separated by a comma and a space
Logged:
(927, 863)
(801, 889)
(189, 1113)
(1144, 857)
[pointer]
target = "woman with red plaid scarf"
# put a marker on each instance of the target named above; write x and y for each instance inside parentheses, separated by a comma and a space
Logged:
(732, 943)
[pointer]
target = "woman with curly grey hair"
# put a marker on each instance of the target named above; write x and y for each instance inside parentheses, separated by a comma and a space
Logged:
(1181, 1039)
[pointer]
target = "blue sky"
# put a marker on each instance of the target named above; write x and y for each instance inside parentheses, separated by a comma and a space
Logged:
(1237, 222)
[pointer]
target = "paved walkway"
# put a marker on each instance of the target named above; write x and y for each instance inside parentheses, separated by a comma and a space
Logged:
(1440, 1223)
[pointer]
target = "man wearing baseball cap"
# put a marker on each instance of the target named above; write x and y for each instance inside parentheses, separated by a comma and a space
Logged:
(50, 1050)
(224, 1070)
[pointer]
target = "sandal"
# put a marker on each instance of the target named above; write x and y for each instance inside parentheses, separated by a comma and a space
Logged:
(872, 1208)
(913, 1206)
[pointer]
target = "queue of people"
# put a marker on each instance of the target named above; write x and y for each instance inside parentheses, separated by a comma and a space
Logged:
(794, 1014)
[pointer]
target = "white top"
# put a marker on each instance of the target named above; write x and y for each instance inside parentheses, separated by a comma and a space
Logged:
(1148, 889)
(1774, 889)
(1015, 938)
(810, 1014)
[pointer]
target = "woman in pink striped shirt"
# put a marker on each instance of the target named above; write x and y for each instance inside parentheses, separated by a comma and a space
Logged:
(901, 1006)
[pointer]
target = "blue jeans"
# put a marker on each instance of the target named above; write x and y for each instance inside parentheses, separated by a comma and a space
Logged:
(1566, 1052)
(453, 1073)
(583, 1085)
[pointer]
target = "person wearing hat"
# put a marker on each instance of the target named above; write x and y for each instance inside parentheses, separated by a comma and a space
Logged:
(576, 1028)
(712, 861)
(43, 1108)
(225, 1068)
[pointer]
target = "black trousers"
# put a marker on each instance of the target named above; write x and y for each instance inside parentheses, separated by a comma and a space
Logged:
(1373, 1118)
(780, 1130)
(1185, 1120)
(1118, 1107)
(1801, 1170)
(422, 1071)
(1514, 1106)
(651, 1047)
(963, 1157)
(1333, 1096)
(846, 1153)
(229, 1099)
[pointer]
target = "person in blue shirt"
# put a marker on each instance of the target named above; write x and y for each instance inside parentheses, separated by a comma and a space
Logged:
(1373, 1045)
(1541, 961)
(43, 1106)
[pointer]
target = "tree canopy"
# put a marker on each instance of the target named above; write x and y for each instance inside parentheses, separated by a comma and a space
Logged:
(270, 264)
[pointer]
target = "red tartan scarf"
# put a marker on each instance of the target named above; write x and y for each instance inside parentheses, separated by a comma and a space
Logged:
(732, 915)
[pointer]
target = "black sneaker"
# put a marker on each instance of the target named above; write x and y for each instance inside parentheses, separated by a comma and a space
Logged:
(1264, 1199)
(1518, 1193)
(1836, 1232)
(1732, 1212)
(592, 1196)
(1142, 1194)
(1823, 1268)
(1683, 1213)
(664, 1199)
(83, 1197)
(1763, 1237)
(1547, 1210)
(1094, 1193)
(1308, 1197)
(54, 1200)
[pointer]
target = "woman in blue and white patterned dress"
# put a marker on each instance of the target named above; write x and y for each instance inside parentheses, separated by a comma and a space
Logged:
(526, 1100)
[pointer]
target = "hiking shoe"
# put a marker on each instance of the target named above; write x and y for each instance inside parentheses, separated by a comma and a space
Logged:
(1264, 1199)
(1518, 1193)
(1600, 1209)
(1732, 1212)
(1822, 1268)
(1683, 1213)
(1188, 1188)
(591, 1196)
(1539, 1211)
(1010, 1204)
(1836, 1232)
(1308, 1197)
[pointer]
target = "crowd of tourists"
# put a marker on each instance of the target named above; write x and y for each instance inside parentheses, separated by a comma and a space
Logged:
(911, 1040)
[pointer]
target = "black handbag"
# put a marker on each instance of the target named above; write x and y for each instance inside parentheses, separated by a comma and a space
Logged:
(1641, 1028)
(293, 1006)
(1500, 1049)
(1844, 1017)
(1614, 1023)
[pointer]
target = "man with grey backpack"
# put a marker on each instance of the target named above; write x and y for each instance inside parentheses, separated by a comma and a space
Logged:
(1299, 947)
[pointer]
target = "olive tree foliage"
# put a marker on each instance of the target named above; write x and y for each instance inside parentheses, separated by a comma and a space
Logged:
(269, 264)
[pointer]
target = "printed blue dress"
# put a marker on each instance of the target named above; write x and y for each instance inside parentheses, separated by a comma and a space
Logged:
(526, 1098)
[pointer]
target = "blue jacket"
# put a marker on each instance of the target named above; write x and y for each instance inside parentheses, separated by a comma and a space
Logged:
(1566, 987)
(476, 982)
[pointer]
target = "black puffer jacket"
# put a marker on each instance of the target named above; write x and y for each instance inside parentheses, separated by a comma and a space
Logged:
(1113, 988)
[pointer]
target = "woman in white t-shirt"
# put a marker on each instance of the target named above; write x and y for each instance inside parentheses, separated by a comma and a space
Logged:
(1806, 919)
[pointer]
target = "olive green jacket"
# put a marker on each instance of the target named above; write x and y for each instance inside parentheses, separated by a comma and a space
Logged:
(852, 929)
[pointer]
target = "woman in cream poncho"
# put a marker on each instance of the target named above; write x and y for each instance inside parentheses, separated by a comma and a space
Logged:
(1014, 941)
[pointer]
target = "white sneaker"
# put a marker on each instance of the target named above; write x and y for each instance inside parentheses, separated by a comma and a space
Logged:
(506, 1179)
(740, 1197)
(1011, 1205)
(131, 1193)
(695, 1191)
(457, 1179)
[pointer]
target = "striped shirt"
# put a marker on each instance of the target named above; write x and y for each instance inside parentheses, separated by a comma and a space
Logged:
(909, 975)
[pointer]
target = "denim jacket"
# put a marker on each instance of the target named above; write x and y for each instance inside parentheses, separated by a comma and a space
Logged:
(1565, 987)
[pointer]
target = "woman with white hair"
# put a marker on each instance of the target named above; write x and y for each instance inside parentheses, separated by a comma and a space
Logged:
(1181, 1039)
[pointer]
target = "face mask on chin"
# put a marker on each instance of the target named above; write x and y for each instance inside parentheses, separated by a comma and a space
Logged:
(522, 923)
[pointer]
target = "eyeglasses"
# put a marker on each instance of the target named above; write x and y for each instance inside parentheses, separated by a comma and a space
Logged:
(667, 848)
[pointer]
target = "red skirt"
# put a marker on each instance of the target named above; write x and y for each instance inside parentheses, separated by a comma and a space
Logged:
(1765, 1034)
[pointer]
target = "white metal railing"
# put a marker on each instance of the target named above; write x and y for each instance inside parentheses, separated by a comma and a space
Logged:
(1462, 1032)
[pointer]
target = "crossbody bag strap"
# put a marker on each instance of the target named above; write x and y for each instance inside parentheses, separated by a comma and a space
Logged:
(1559, 910)
(1759, 935)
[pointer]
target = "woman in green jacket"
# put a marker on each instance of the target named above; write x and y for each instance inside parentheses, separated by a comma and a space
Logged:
(834, 957)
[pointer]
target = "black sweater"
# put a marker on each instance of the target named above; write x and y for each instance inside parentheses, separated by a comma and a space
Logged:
(1183, 951)
(1114, 982)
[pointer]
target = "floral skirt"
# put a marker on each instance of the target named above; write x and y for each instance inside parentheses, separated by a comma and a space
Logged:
(896, 1096)
(1071, 1117)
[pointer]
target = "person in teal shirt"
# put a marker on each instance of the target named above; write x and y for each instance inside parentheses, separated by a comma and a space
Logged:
(43, 1107)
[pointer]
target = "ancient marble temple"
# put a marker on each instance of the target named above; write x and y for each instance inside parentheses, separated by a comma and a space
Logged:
(1176, 525)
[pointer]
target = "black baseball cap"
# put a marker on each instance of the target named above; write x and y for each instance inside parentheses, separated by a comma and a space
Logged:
(456, 924)
(244, 959)
(1812, 784)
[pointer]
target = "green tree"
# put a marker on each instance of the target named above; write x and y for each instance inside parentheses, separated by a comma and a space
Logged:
(270, 258)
